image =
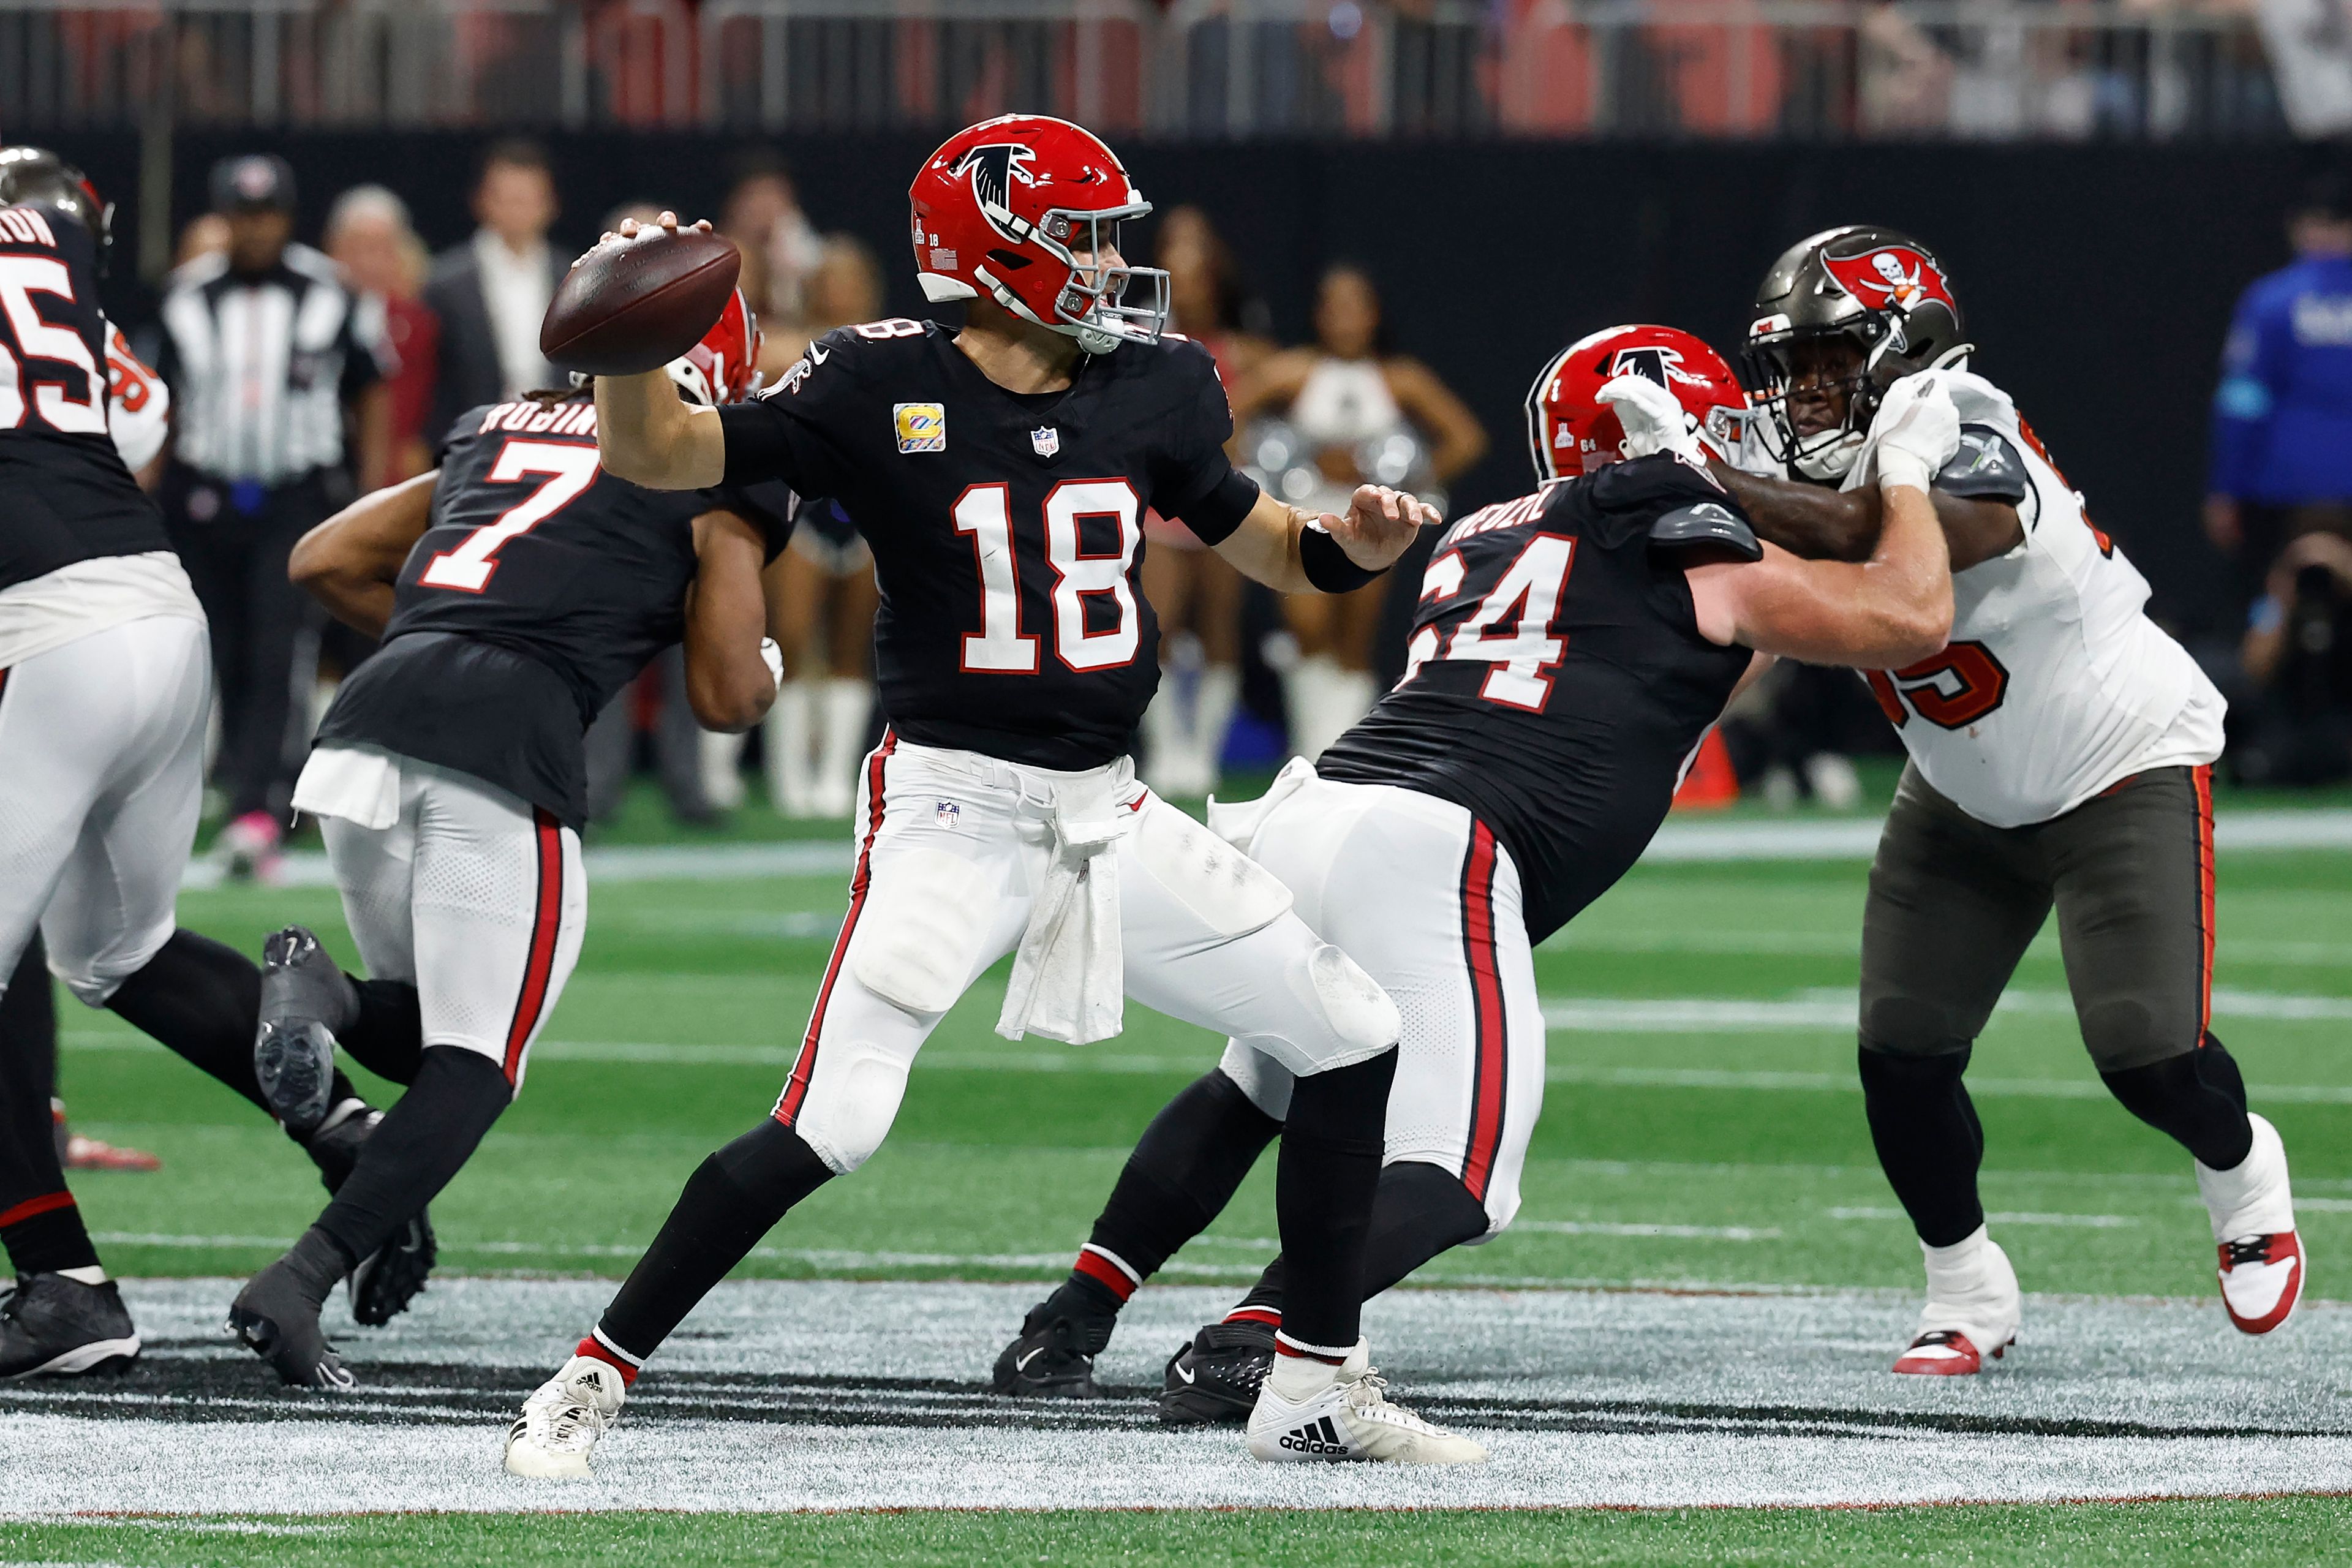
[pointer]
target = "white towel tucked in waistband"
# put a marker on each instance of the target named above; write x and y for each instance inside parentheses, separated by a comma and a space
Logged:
(1068, 981)
(362, 787)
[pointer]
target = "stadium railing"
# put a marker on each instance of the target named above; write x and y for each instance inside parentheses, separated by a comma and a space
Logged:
(2130, 69)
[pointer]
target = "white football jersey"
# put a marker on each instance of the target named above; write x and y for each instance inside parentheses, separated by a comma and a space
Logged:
(2055, 684)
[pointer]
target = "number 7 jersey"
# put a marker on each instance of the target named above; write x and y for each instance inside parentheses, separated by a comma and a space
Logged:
(1006, 527)
(2055, 684)
(1558, 679)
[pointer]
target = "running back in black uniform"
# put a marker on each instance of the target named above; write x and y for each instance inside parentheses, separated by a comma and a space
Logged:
(1563, 729)
(68, 495)
(541, 589)
(1006, 527)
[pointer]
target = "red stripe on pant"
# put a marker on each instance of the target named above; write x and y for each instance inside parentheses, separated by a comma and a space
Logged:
(1489, 1069)
(788, 1104)
(539, 968)
(2203, 777)
(32, 1208)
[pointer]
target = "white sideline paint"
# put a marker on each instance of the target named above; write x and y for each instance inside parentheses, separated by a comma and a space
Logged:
(1678, 843)
(1725, 1377)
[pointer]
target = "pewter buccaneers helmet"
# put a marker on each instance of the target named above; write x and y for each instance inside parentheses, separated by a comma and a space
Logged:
(1884, 292)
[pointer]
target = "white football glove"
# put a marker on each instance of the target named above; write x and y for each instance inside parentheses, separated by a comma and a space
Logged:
(1653, 418)
(773, 658)
(1917, 431)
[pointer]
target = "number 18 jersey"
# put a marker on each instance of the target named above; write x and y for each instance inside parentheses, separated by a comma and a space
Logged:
(1558, 679)
(1006, 527)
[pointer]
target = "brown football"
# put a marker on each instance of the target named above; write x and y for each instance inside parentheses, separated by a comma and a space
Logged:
(630, 308)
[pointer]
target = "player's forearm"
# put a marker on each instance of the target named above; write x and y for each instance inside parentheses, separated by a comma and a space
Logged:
(1266, 547)
(729, 684)
(351, 561)
(1906, 584)
(1805, 519)
(646, 435)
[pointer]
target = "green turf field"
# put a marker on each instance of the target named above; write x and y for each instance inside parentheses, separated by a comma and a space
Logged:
(1700, 1128)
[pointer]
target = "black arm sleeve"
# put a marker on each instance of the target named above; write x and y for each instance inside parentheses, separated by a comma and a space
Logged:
(788, 431)
(1986, 468)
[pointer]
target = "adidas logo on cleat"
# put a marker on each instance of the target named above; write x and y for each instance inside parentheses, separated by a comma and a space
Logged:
(1316, 1437)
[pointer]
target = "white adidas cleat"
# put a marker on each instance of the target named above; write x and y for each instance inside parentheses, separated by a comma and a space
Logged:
(558, 1428)
(1346, 1415)
(2252, 1211)
(1973, 1310)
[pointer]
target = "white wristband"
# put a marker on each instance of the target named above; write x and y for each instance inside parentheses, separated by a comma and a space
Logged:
(1900, 468)
(773, 658)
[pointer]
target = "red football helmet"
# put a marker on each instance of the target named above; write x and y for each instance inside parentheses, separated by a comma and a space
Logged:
(1571, 432)
(1005, 209)
(724, 367)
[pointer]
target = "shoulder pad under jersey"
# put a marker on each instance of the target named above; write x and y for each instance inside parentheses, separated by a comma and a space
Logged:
(1707, 523)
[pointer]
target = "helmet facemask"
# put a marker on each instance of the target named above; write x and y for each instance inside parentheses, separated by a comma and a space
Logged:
(1825, 454)
(1092, 306)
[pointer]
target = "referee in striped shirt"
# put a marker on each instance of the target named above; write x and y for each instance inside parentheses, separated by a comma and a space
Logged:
(278, 412)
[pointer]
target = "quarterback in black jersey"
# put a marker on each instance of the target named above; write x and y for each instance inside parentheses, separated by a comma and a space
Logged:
(1001, 474)
(517, 588)
(105, 682)
(1570, 650)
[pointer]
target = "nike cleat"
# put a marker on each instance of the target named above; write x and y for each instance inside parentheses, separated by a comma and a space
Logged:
(1215, 1380)
(306, 1002)
(1349, 1417)
(2252, 1210)
(1946, 1352)
(51, 1326)
(2262, 1279)
(280, 1325)
(393, 1276)
(1049, 1360)
(559, 1424)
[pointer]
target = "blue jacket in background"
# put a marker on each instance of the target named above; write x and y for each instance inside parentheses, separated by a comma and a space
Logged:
(2283, 415)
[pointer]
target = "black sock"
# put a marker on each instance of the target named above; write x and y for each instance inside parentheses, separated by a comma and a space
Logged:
(421, 1142)
(316, 1263)
(388, 1036)
(1183, 1173)
(1419, 1211)
(1930, 1142)
(202, 999)
(735, 1197)
(39, 1223)
(2198, 1097)
(1329, 1172)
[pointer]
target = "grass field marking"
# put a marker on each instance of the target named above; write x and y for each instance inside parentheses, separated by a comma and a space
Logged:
(2014, 1216)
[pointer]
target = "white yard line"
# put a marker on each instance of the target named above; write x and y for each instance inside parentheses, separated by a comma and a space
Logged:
(844, 1396)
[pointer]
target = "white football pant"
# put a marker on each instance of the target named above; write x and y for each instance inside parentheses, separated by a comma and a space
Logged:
(473, 896)
(1426, 899)
(101, 779)
(955, 846)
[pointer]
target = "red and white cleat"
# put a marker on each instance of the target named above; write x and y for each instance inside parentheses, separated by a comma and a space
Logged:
(1946, 1352)
(2253, 1209)
(2262, 1279)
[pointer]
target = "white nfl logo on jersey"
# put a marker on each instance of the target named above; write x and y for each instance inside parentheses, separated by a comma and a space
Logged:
(1047, 440)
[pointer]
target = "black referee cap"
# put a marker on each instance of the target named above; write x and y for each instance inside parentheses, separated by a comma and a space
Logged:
(254, 182)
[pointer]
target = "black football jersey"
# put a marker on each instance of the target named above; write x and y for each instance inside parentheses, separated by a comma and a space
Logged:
(1006, 528)
(69, 497)
(540, 589)
(1558, 679)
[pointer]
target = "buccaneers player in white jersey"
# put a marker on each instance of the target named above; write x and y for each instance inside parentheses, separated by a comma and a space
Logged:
(2061, 756)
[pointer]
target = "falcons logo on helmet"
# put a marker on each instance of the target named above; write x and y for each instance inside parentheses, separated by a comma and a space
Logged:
(993, 169)
(1891, 277)
(1653, 363)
